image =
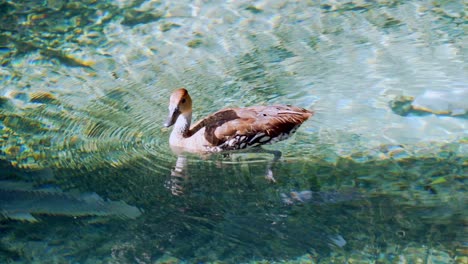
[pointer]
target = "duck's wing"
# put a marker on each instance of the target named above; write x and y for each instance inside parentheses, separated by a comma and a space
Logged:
(238, 128)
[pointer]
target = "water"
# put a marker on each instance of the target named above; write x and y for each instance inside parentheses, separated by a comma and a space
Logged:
(84, 94)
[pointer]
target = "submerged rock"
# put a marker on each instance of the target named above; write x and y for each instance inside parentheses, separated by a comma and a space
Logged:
(320, 197)
(20, 200)
(452, 103)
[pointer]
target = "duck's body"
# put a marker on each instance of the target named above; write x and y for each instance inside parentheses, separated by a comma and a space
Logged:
(230, 128)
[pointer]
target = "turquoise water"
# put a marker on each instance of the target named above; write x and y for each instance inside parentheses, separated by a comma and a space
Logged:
(377, 175)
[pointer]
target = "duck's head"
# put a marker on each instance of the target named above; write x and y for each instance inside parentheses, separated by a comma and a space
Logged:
(180, 103)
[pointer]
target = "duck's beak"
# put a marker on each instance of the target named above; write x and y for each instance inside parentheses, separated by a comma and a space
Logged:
(173, 115)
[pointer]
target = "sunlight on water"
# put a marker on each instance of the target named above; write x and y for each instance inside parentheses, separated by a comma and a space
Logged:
(376, 175)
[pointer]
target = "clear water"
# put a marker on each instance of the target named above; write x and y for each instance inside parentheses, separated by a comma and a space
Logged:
(84, 93)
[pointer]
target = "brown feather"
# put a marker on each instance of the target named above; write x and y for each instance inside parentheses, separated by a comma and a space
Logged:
(244, 124)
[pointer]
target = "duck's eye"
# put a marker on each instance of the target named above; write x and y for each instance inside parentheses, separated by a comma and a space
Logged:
(183, 101)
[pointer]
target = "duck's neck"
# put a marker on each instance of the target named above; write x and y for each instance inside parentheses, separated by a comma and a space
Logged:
(182, 126)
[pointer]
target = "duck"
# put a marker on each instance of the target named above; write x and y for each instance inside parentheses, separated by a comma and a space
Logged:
(230, 129)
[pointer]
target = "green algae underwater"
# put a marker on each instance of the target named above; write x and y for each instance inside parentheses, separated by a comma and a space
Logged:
(379, 209)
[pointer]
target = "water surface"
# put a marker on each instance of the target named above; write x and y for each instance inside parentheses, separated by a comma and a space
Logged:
(84, 93)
